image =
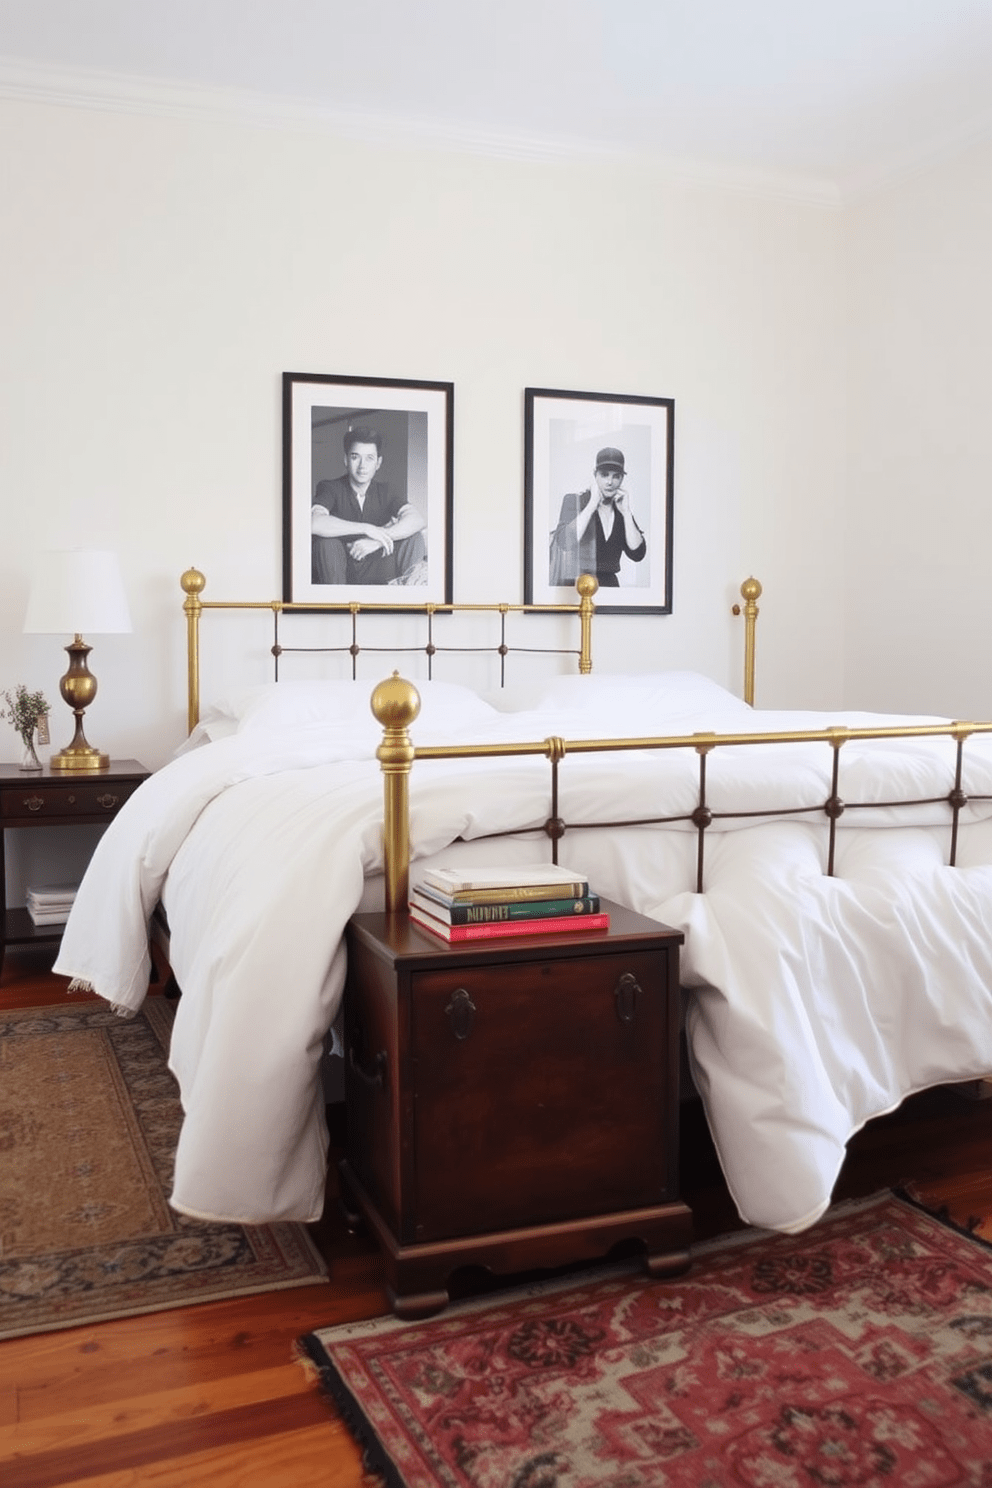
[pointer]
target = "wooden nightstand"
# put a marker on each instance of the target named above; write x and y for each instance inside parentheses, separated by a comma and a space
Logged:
(55, 798)
(512, 1103)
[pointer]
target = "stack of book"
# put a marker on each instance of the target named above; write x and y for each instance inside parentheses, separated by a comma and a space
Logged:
(50, 905)
(487, 903)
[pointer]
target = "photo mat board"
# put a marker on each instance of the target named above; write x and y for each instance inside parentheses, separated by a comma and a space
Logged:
(410, 464)
(565, 433)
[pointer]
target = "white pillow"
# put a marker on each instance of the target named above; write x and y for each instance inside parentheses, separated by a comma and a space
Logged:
(450, 706)
(516, 697)
(298, 704)
(281, 705)
(659, 692)
(214, 724)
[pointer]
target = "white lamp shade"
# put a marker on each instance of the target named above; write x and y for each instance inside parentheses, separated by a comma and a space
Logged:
(75, 591)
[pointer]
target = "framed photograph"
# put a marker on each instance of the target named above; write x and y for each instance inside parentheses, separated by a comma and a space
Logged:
(598, 479)
(367, 490)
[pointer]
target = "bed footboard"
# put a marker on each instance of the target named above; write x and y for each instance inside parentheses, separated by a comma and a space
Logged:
(395, 704)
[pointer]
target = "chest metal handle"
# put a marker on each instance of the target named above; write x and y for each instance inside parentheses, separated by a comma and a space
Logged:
(107, 802)
(375, 1075)
(626, 992)
(460, 1013)
(34, 803)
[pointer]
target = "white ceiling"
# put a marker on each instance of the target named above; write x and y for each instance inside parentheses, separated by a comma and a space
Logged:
(794, 95)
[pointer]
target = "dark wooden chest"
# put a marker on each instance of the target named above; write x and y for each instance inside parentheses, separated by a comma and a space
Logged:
(512, 1103)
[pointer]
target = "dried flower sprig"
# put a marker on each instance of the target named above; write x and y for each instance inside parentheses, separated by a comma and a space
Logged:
(24, 709)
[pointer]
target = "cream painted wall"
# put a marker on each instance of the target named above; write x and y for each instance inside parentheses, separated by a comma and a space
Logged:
(159, 275)
(918, 566)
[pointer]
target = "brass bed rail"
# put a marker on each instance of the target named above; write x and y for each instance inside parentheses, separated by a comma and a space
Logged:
(395, 704)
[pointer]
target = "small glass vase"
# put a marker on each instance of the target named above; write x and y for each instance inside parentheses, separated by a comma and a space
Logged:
(29, 759)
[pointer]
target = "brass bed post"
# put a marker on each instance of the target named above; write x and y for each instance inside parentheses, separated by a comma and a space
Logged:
(750, 593)
(193, 583)
(395, 704)
(586, 584)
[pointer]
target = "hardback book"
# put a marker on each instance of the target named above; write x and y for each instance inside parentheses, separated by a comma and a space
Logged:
(502, 885)
(503, 929)
(48, 916)
(455, 912)
(48, 894)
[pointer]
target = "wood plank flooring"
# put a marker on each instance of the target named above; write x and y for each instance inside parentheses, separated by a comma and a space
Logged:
(213, 1394)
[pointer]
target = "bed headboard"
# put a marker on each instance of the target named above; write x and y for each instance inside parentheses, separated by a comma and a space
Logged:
(193, 583)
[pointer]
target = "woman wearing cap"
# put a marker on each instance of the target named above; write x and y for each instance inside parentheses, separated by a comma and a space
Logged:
(596, 528)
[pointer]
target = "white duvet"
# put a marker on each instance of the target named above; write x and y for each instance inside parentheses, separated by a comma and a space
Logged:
(816, 1002)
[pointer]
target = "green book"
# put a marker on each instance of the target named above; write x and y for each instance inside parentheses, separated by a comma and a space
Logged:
(455, 913)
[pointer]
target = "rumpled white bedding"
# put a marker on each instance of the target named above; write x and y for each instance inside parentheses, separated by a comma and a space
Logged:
(817, 1002)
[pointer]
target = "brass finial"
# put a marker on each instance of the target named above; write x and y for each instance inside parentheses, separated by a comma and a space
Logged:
(750, 593)
(395, 702)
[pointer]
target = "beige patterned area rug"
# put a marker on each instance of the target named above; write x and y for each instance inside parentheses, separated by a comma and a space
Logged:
(89, 1120)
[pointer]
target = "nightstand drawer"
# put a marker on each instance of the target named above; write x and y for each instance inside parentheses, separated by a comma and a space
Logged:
(47, 798)
(30, 803)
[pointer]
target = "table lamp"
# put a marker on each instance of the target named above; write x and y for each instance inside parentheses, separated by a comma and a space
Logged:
(72, 592)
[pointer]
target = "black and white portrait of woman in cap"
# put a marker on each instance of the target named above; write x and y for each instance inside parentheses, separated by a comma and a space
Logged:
(597, 528)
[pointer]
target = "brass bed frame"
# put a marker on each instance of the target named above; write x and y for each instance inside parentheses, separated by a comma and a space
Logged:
(396, 703)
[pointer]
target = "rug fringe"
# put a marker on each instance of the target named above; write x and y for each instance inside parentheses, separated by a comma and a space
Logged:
(310, 1354)
(81, 985)
(942, 1215)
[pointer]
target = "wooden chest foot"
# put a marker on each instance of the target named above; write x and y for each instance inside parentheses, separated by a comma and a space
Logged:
(417, 1304)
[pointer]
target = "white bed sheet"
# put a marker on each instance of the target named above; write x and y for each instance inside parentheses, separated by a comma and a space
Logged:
(817, 1002)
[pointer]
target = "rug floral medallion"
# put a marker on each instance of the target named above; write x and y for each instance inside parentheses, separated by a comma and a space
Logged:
(89, 1121)
(855, 1355)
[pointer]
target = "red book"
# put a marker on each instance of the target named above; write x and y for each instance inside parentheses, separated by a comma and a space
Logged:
(500, 929)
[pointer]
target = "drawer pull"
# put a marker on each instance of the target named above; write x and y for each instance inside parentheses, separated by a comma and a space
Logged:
(461, 1013)
(34, 803)
(626, 992)
(374, 1077)
(107, 802)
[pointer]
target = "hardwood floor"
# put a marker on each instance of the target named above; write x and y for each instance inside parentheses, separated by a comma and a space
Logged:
(213, 1394)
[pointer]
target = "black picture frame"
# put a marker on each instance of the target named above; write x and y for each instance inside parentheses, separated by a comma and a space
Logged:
(564, 435)
(414, 423)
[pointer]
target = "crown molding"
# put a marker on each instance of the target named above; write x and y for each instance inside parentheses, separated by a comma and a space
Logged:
(106, 92)
(782, 186)
(121, 93)
(861, 186)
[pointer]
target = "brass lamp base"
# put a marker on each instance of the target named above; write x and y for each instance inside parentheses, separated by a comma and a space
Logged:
(78, 688)
(85, 758)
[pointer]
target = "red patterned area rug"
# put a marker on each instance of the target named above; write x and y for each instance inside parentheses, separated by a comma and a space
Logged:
(858, 1353)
